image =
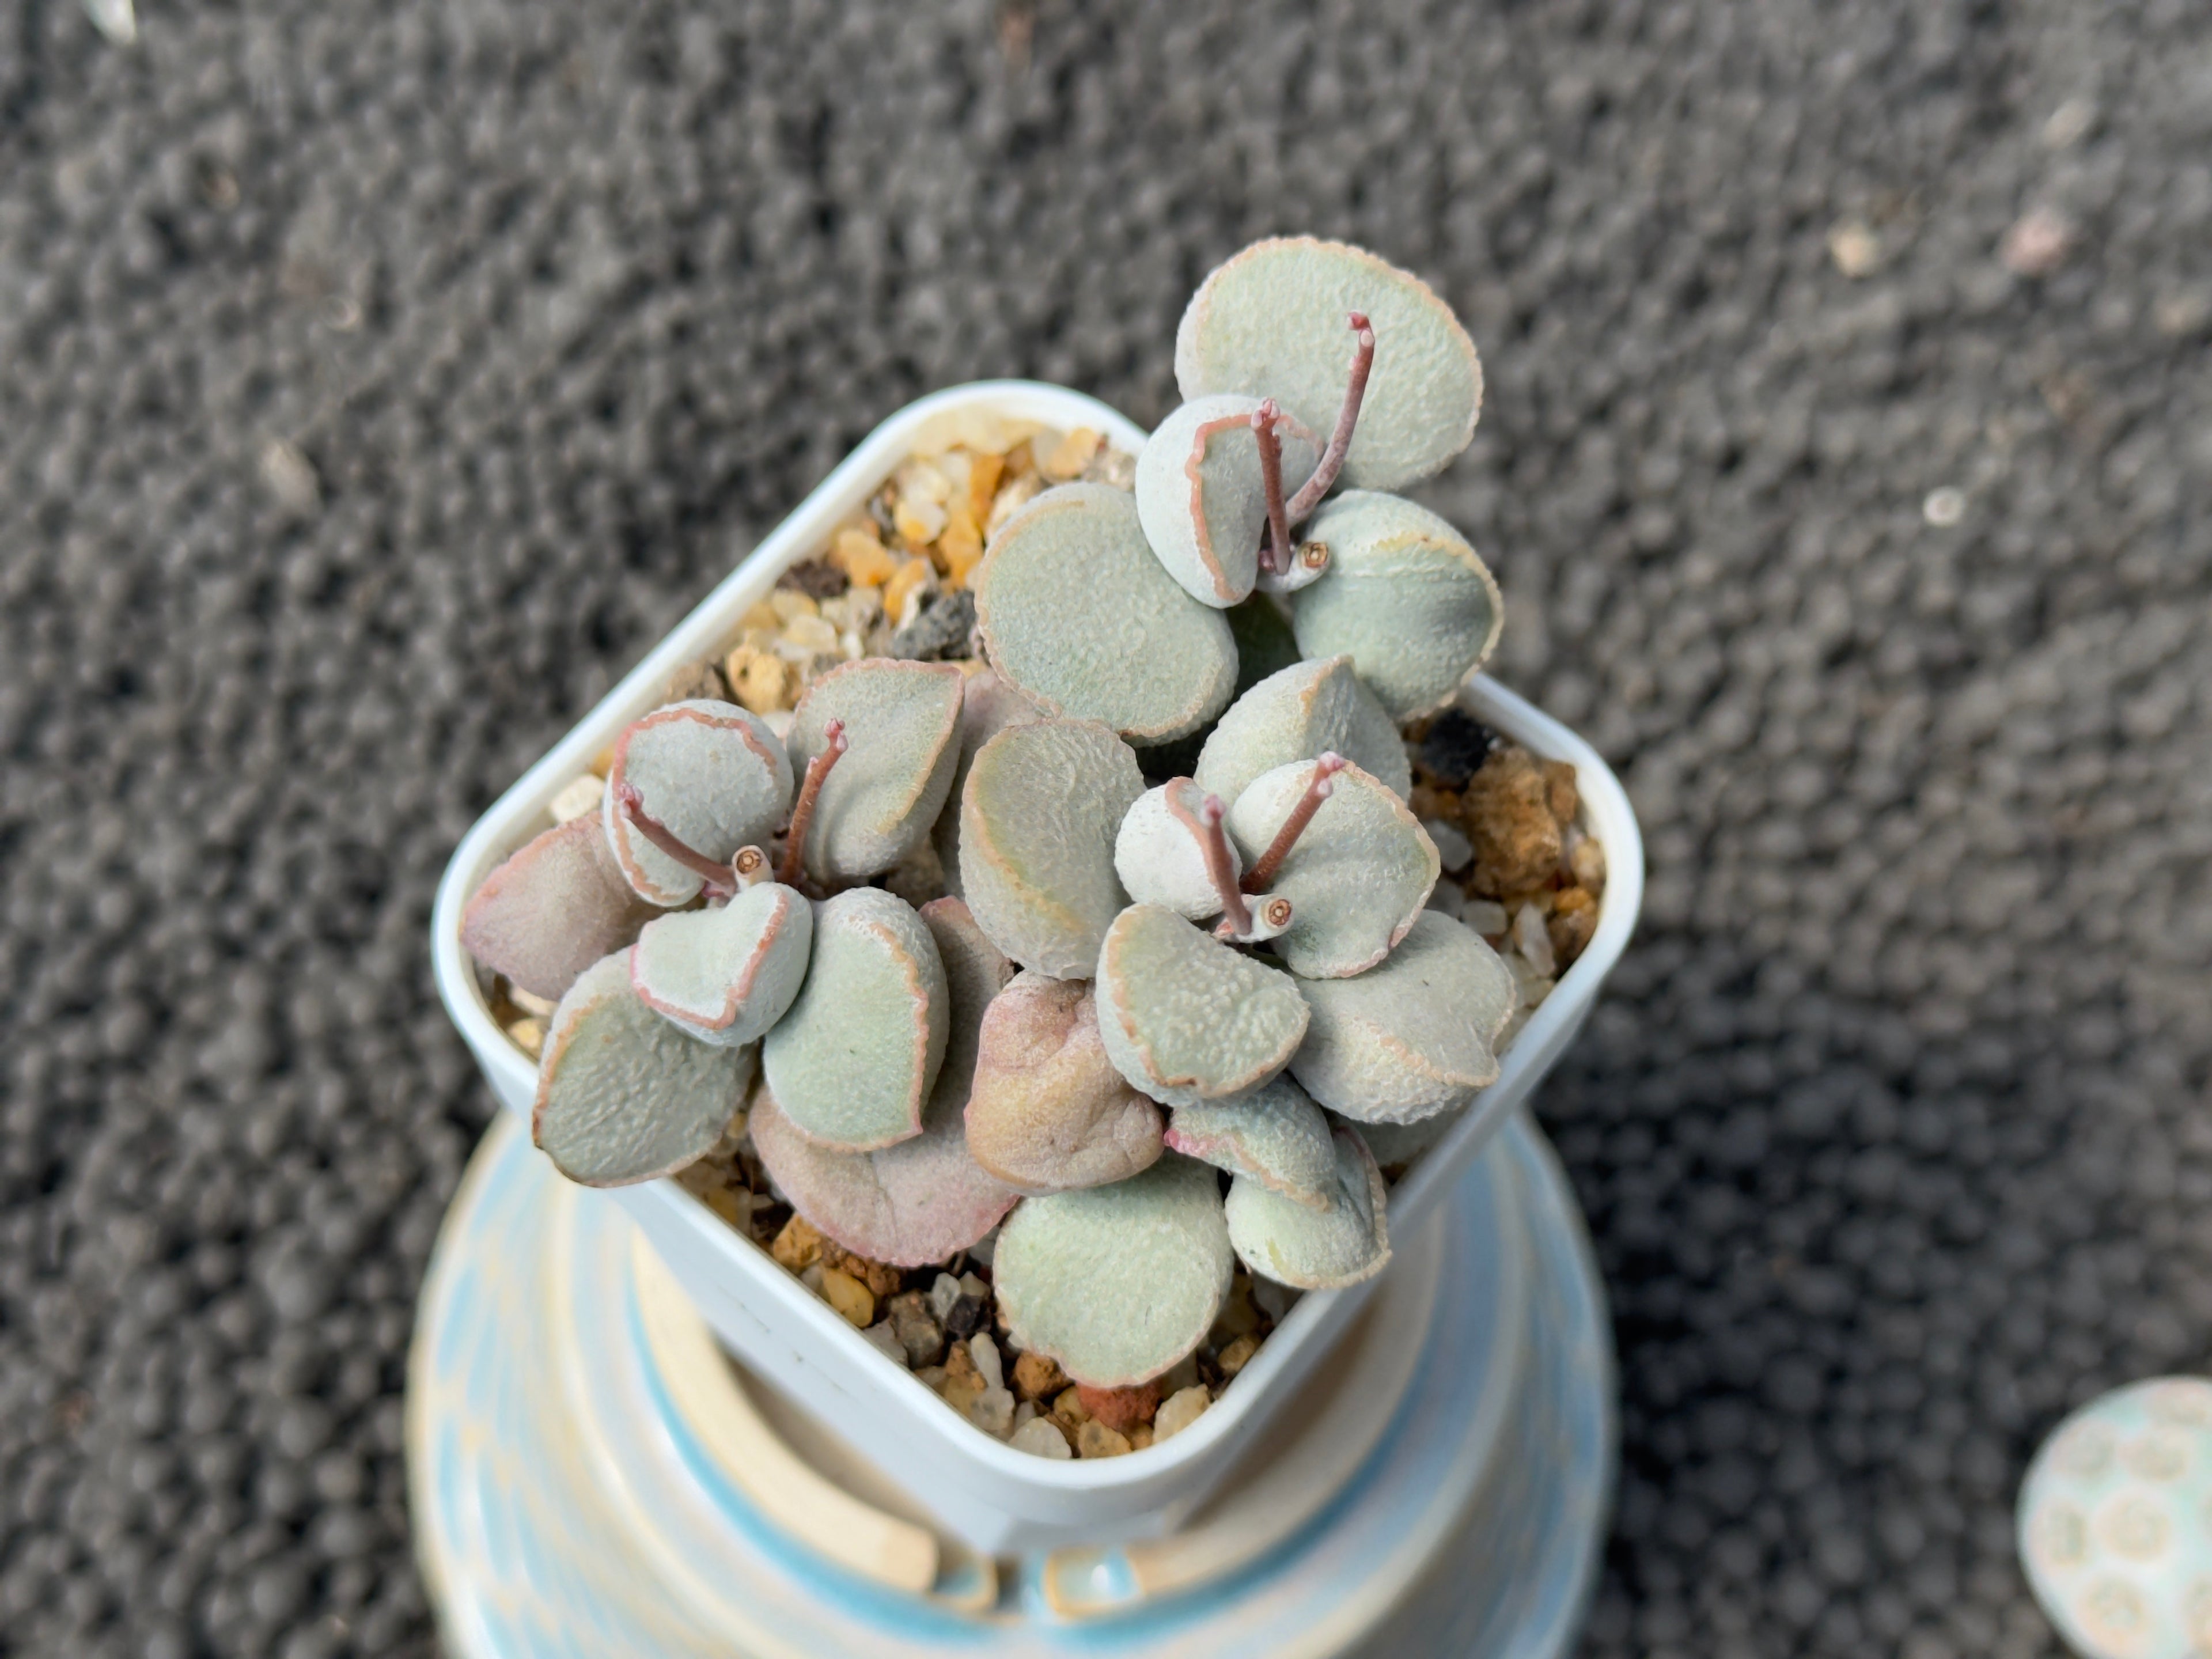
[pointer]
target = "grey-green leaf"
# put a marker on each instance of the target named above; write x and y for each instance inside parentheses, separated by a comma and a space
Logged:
(1201, 496)
(1271, 323)
(903, 735)
(725, 975)
(623, 1096)
(1298, 714)
(1413, 1036)
(1275, 1135)
(1117, 1282)
(924, 1199)
(1038, 816)
(716, 775)
(1355, 879)
(1185, 1018)
(1315, 1249)
(1047, 1112)
(1076, 611)
(987, 706)
(855, 1058)
(1396, 1146)
(1159, 857)
(1404, 597)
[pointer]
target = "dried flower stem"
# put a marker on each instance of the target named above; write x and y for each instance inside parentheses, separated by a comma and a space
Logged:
(1220, 867)
(1318, 789)
(802, 815)
(718, 877)
(1275, 553)
(1347, 417)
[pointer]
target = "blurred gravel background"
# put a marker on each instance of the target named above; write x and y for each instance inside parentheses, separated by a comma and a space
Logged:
(376, 383)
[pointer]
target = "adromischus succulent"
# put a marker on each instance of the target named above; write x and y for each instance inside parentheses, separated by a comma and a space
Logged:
(552, 909)
(923, 1199)
(1220, 971)
(1204, 496)
(715, 775)
(1117, 1282)
(1313, 1247)
(1076, 610)
(854, 1059)
(1047, 1112)
(1039, 813)
(623, 1096)
(1270, 323)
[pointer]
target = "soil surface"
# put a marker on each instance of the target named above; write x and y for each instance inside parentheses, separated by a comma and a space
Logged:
(377, 382)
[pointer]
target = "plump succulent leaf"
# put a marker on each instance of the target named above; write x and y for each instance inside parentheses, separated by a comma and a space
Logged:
(1275, 1135)
(1271, 323)
(1413, 1037)
(1310, 1249)
(1117, 1282)
(553, 910)
(1076, 611)
(725, 975)
(1038, 815)
(716, 775)
(1356, 876)
(1047, 1112)
(902, 742)
(1159, 857)
(1185, 1018)
(1201, 494)
(854, 1060)
(924, 1199)
(1298, 714)
(987, 706)
(1404, 597)
(623, 1096)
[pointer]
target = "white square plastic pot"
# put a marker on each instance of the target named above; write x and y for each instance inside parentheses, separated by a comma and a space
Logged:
(995, 1497)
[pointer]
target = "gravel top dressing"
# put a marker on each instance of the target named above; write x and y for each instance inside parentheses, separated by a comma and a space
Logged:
(376, 385)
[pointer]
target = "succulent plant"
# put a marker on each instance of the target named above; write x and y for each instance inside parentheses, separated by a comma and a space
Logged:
(1047, 1112)
(1186, 1018)
(1406, 599)
(623, 1096)
(1413, 1035)
(893, 731)
(1218, 972)
(1117, 1282)
(1075, 610)
(1273, 1134)
(726, 975)
(923, 1199)
(712, 774)
(1356, 874)
(553, 910)
(1313, 1247)
(1300, 714)
(1270, 323)
(1039, 813)
(854, 1059)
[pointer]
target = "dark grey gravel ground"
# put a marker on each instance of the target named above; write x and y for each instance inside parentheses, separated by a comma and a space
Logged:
(376, 382)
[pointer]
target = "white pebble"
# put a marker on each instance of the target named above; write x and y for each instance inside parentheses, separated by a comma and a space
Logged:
(1178, 1412)
(984, 1353)
(529, 1003)
(880, 1337)
(780, 722)
(1272, 1299)
(1041, 1437)
(1944, 507)
(992, 1412)
(1453, 847)
(578, 796)
(1023, 1413)
(944, 1292)
(1533, 942)
(1487, 916)
(1446, 899)
(1586, 859)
